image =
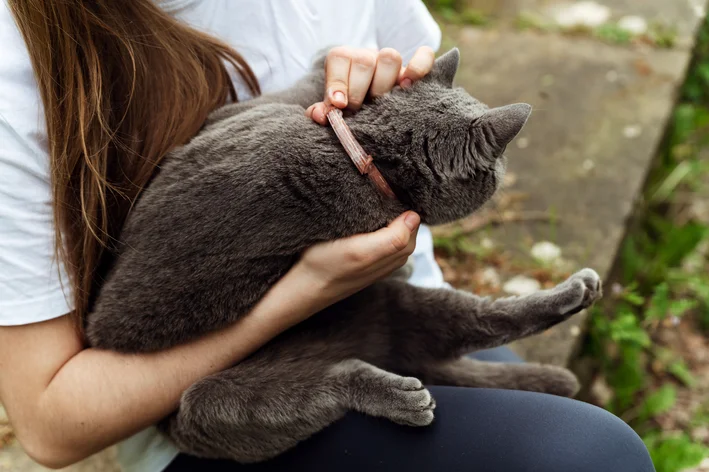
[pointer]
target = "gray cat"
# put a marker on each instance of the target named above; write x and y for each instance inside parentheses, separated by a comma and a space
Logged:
(228, 214)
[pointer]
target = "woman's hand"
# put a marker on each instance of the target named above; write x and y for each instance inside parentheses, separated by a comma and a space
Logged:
(352, 73)
(342, 267)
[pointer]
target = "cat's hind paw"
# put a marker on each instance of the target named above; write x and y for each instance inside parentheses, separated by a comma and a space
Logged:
(403, 400)
(409, 407)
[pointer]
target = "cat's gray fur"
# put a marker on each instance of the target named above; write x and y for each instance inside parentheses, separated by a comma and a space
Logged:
(228, 214)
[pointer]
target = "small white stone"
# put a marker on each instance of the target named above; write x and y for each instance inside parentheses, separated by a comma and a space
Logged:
(489, 276)
(509, 179)
(521, 285)
(469, 35)
(698, 8)
(632, 131)
(702, 467)
(700, 433)
(575, 331)
(546, 251)
(635, 25)
(612, 76)
(523, 143)
(601, 391)
(487, 243)
(588, 14)
(588, 165)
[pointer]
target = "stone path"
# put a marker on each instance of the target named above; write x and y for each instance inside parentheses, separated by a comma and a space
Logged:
(600, 114)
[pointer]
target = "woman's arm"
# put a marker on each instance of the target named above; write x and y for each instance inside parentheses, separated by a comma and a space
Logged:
(66, 402)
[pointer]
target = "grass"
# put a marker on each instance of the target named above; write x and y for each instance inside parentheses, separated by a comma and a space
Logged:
(662, 281)
(455, 11)
(658, 34)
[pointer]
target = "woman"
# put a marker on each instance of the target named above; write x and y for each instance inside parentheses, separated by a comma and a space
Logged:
(94, 94)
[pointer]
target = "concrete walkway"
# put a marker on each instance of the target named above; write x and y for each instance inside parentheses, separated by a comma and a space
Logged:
(600, 113)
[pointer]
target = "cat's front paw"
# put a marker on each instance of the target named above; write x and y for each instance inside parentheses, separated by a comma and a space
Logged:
(578, 292)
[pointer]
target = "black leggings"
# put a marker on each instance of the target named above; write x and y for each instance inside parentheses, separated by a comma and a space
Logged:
(478, 430)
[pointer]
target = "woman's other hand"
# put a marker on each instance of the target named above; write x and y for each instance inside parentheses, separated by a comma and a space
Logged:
(343, 267)
(353, 73)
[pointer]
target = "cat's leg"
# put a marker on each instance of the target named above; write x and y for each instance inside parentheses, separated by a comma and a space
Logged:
(437, 324)
(466, 372)
(377, 392)
(257, 410)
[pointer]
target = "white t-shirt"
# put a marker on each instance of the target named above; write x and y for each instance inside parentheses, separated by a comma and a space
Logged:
(278, 39)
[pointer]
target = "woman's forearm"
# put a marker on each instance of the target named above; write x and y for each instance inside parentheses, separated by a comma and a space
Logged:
(98, 397)
(66, 402)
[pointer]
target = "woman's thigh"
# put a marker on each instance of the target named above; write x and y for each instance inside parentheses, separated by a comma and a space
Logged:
(480, 430)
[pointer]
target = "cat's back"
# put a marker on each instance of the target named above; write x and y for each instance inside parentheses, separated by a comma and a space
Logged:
(207, 236)
(231, 161)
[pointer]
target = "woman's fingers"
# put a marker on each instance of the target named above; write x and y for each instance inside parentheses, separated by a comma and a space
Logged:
(418, 67)
(379, 247)
(386, 72)
(337, 74)
(318, 113)
(352, 73)
(362, 68)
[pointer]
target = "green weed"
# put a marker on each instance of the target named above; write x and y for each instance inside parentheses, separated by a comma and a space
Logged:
(612, 33)
(656, 282)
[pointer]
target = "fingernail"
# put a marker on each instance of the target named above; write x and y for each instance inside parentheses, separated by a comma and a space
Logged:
(339, 97)
(412, 221)
(406, 83)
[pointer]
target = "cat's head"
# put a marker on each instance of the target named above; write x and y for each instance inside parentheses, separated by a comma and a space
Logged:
(440, 149)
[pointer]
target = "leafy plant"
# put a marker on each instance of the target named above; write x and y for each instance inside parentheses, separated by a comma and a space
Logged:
(663, 276)
(680, 370)
(674, 453)
(658, 402)
(454, 11)
(613, 34)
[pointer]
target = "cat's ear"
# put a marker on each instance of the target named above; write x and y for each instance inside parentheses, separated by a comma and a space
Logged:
(445, 68)
(501, 125)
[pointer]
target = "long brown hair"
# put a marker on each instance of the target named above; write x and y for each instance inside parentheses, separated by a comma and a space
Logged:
(122, 82)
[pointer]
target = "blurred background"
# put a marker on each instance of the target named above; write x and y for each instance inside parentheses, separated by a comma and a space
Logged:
(611, 172)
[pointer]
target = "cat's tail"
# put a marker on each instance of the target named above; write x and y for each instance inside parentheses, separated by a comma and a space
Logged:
(465, 372)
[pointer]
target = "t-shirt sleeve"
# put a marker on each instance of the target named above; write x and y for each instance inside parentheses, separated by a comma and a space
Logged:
(30, 288)
(406, 25)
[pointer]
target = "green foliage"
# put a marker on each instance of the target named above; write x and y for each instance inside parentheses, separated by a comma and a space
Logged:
(626, 330)
(680, 370)
(612, 33)
(660, 401)
(659, 303)
(662, 36)
(627, 377)
(674, 453)
(460, 243)
(664, 277)
(527, 20)
(471, 16)
(454, 11)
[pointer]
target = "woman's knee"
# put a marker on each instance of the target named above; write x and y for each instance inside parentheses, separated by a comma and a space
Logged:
(512, 430)
(592, 439)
